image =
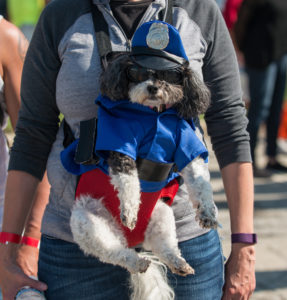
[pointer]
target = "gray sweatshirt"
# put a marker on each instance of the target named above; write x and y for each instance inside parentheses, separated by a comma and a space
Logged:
(61, 74)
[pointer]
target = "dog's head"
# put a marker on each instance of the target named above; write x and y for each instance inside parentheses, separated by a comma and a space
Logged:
(155, 78)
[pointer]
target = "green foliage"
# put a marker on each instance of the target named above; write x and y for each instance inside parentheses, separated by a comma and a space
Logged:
(9, 128)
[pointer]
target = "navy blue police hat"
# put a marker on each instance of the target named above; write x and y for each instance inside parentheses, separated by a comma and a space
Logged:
(157, 45)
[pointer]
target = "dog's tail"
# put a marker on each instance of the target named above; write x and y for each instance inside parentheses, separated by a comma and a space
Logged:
(152, 284)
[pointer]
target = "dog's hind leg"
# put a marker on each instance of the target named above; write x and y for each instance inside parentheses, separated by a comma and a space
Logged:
(97, 234)
(160, 238)
(197, 179)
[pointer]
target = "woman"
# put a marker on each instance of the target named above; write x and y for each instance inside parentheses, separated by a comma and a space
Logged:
(13, 49)
(62, 68)
(12, 53)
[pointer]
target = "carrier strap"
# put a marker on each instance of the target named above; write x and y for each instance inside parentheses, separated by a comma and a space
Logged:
(85, 153)
(153, 171)
(102, 29)
(102, 34)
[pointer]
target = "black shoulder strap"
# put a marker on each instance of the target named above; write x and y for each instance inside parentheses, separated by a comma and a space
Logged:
(102, 34)
(102, 29)
(68, 134)
(166, 15)
(85, 150)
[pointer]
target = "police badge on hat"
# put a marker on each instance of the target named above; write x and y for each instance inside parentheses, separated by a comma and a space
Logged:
(158, 36)
(157, 45)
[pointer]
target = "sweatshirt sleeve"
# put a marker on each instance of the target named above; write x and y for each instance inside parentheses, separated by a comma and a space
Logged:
(226, 117)
(39, 116)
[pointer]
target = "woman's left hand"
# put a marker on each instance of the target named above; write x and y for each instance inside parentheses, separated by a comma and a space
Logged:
(240, 273)
(27, 259)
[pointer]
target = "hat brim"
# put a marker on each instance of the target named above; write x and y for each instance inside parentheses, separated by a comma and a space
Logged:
(155, 62)
(156, 59)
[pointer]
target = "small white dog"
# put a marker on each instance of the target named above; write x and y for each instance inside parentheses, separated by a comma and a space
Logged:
(156, 95)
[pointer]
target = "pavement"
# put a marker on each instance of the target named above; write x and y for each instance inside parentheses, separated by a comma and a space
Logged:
(270, 222)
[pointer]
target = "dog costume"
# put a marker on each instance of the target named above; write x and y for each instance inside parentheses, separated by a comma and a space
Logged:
(141, 133)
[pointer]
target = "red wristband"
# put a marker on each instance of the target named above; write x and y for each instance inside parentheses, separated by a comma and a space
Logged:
(7, 237)
(245, 238)
(26, 240)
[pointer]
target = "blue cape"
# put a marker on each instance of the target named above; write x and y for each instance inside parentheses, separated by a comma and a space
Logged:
(138, 131)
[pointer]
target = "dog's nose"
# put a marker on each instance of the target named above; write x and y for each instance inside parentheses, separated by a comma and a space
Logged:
(152, 89)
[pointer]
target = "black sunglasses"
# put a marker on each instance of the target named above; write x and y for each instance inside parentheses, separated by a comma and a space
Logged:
(139, 74)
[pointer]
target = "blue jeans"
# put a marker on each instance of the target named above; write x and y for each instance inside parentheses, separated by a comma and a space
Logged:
(70, 274)
(266, 89)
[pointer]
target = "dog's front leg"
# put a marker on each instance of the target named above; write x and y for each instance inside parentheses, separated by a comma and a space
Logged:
(197, 179)
(124, 177)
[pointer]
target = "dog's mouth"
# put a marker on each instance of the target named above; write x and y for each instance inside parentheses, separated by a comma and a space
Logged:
(159, 109)
(154, 104)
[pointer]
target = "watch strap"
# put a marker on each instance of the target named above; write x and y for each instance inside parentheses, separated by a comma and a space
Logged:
(245, 238)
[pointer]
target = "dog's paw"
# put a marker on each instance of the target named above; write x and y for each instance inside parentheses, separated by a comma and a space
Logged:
(128, 221)
(141, 265)
(207, 223)
(129, 207)
(181, 267)
(206, 216)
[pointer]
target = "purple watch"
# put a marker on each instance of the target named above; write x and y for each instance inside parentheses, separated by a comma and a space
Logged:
(245, 238)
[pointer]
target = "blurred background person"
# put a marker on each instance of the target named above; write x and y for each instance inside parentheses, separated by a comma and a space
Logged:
(282, 133)
(3, 8)
(12, 53)
(230, 11)
(258, 29)
(25, 14)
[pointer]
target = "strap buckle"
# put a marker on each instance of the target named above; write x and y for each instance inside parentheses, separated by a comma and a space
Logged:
(85, 154)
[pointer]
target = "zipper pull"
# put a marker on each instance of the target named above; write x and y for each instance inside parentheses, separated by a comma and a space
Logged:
(129, 45)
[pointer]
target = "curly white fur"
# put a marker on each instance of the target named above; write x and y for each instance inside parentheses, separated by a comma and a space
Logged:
(160, 238)
(97, 234)
(152, 284)
(197, 179)
(128, 187)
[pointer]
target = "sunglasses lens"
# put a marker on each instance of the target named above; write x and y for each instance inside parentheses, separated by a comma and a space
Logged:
(137, 74)
(132, 73)
(171, 76)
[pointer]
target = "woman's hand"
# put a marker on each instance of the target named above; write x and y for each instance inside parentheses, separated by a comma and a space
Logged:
(27, 259)
(240, 273)
(12, 277)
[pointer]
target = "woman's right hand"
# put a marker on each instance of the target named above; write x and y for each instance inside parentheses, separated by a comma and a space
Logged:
(12, 277)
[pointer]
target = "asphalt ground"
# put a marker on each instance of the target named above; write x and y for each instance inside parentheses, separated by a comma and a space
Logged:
(270, 222)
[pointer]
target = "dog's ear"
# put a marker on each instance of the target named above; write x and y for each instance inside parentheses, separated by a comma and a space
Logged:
(196, 97)
(114, 83)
